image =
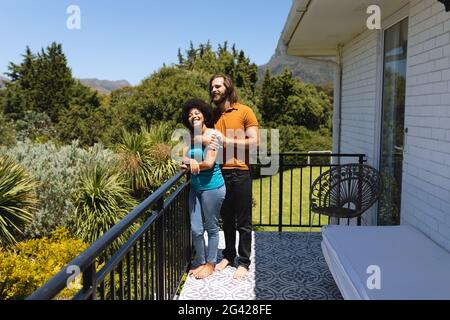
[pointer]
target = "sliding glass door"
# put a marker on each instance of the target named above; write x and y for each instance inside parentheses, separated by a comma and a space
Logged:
(392, 126)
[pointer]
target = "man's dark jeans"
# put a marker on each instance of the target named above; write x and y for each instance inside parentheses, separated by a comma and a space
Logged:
(236, 214)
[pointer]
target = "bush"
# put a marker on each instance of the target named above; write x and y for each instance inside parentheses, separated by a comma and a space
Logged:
(145, 158)
(101, 201)
(17, 200)
(35, 126)
(58, 171)
(31, 263)
(7, 130)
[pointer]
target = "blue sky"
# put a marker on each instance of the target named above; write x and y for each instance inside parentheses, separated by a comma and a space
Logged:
(131, 39)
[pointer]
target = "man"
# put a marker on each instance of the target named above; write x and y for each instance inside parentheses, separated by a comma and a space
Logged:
(239, 127)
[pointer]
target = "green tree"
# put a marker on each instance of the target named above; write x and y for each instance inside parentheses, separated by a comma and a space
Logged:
(41, 83)
(86, 119)
(287, 101)
(160, 98)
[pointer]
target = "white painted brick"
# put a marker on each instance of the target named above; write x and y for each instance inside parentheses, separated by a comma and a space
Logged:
(436, 8)
(444, 123)
(440, 87)
(442, 64)
(447, 26)
(445, 99)
(446, 51)
(436, 53)
(429, 43)
(438, 133)
(434, 76)
(415, 49)
(443, 39)
(444, 230)
(445, 75)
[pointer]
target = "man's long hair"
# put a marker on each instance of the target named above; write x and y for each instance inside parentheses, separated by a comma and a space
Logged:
(231, 93)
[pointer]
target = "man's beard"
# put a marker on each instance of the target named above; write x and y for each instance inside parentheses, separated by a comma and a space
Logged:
(222, 98)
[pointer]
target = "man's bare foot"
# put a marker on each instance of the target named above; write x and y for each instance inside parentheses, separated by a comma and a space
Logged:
(206, 271)
(195, 271)
(240, 273)
(222, 264)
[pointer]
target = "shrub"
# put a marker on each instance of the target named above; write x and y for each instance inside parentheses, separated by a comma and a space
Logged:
(57, 170)
(31, 263)
(145, 158)
(101, 201)
(17, 200)
(35, 126)
(7, 130)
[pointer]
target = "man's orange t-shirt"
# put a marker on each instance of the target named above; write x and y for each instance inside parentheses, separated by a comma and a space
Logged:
(236, 121)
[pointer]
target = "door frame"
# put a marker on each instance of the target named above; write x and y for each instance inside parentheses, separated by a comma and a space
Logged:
(387, 23)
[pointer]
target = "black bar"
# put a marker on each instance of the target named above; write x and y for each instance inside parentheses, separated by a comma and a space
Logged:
(113, 286)
(270, 201)
(121, 286)
(160, 259)
(147, 265)
(301, 194)
(89, 282)
(280, 191)
(129, 275)
(141, 264)
(260, 195)
(135, 271)
(291, 192)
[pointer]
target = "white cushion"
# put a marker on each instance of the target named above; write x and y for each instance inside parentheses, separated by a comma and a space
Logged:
(411, 265)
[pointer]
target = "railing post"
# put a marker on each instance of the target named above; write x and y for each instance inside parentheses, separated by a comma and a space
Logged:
(280, 190)
(89, 281)
(361, 161)
(160, 253)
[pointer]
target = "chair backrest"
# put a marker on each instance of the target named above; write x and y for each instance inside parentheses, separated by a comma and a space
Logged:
(345, 191)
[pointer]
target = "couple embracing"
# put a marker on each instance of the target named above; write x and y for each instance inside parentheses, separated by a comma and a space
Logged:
(220, 187)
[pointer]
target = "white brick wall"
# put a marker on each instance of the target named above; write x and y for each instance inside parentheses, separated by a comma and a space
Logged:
(359, 95)
(426, 172)
(358, 102)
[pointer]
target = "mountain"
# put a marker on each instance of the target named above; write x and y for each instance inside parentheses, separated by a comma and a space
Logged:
(105, 86)
(308, 70)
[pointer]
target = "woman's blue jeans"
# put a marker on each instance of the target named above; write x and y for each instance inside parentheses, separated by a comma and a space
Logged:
(204, 208)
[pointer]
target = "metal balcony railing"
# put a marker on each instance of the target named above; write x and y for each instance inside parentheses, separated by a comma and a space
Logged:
(151, 263)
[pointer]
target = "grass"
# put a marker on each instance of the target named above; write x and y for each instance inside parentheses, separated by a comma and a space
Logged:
(295, 199)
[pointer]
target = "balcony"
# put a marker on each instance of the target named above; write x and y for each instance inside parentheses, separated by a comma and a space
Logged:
(152, 264)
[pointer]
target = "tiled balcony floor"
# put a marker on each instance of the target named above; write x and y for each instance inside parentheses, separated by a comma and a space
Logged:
(283, 268)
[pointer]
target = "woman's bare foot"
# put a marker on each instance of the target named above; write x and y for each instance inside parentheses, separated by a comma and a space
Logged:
(195, 271)
(240, 273)
(206, 271)
(222, 264)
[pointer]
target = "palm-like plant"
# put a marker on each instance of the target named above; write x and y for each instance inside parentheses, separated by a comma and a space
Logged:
(17, 200)
(101, 201)
(134, 161)
(145, 158)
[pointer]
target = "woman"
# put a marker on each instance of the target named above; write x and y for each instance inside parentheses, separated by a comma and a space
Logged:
(207, 186)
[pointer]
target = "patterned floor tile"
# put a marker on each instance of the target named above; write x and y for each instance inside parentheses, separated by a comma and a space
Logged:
(284, 267)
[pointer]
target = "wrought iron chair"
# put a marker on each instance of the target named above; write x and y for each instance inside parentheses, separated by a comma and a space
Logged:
(345, 191)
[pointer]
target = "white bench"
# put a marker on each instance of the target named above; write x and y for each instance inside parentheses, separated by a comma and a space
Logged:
(411, 265)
